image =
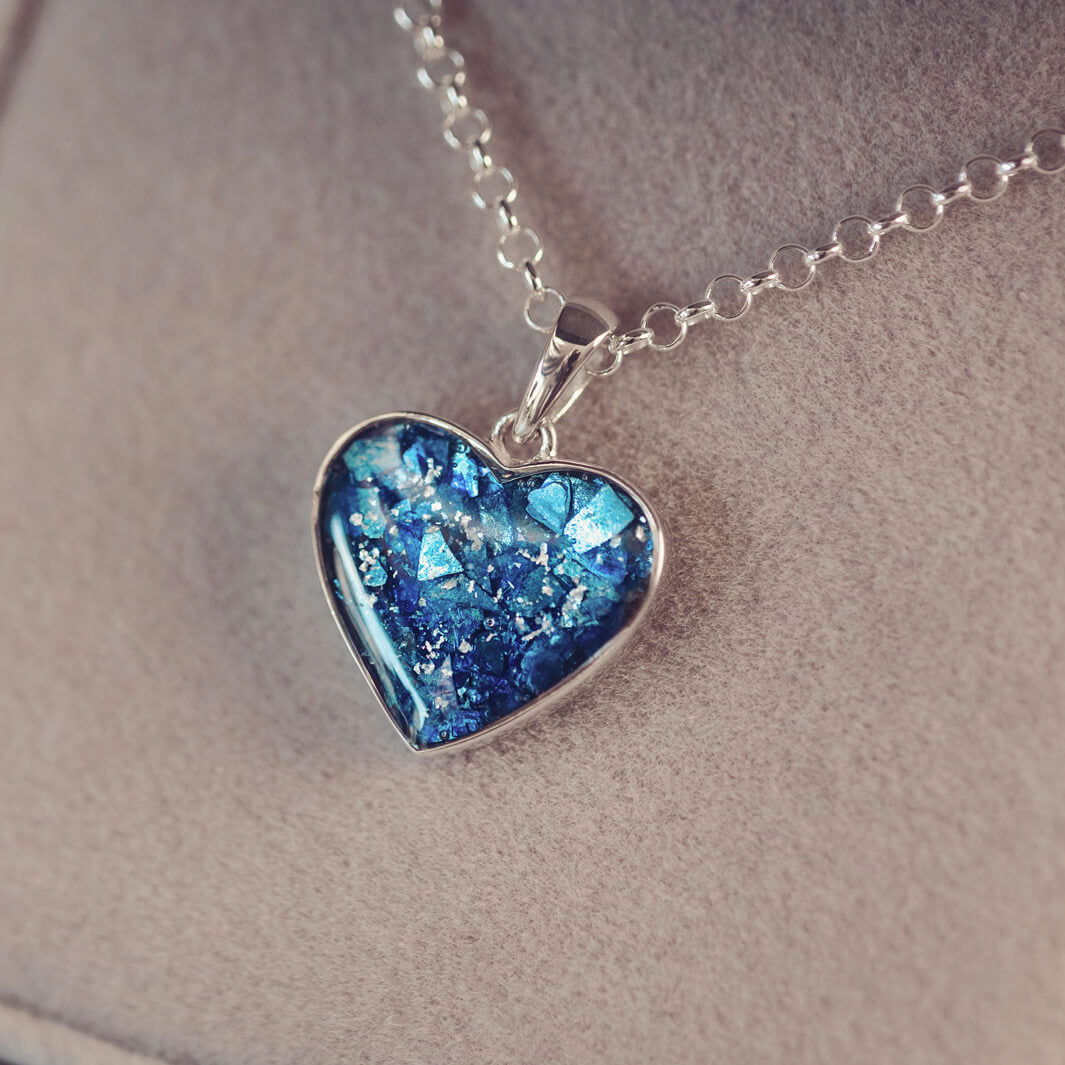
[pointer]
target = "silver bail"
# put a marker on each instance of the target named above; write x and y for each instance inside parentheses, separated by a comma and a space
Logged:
(559, 377)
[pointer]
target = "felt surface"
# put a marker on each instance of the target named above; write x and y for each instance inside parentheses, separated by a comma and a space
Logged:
(814, 814)
(30, 1039)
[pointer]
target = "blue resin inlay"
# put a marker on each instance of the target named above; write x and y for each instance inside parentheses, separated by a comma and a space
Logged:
(468, 590)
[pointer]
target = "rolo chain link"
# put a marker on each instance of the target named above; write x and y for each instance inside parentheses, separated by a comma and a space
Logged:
(665, 325)
(855, 239)
(466, 128)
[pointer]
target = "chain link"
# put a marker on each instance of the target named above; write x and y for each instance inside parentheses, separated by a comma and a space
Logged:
(855, 239)
(791, 267)
(442, 70)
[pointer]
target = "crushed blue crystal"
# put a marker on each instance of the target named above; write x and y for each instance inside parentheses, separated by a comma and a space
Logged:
(435, 558)
(468, 590)
(549, 504)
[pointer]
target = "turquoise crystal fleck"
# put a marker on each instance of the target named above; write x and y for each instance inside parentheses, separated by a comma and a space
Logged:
(549, 504)
(598, 520)
(435, 559)
(468, 590)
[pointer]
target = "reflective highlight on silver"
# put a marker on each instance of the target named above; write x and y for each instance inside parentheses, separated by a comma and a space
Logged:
(557, 381)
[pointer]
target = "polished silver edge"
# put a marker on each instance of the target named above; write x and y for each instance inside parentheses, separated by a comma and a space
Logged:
(603, 657)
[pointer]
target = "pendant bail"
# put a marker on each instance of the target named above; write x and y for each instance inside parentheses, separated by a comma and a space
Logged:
(559, 378)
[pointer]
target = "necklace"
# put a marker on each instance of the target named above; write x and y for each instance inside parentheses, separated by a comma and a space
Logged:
(476, 581)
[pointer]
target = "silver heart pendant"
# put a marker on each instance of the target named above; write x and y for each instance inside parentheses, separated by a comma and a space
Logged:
(471, 592)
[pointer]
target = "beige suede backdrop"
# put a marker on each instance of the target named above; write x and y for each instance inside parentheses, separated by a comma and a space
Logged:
(815, 814)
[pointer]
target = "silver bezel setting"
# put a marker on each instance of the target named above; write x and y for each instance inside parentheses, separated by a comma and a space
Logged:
(607, 653)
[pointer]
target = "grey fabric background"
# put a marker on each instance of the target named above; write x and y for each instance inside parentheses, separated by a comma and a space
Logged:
(814, 815)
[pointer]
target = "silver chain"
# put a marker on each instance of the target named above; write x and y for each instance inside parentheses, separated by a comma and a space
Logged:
(665, 325)
(466, 128)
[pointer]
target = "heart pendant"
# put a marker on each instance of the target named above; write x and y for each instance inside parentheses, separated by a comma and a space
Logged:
(470, 592)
